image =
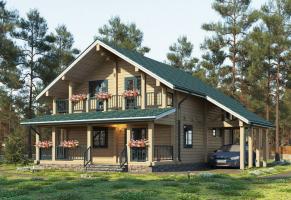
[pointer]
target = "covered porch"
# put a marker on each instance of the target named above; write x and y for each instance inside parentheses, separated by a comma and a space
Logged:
(124, 138)
(143, 143)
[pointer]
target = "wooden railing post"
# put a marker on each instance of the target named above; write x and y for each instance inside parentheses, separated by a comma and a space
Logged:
(87, 103)
(70, 96)
(143, 91)
(54, 106)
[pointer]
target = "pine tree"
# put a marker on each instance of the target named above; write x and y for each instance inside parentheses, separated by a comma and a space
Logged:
(212, 60)
(276, 18)
(180, 55)
(32, 34)
(236, 20)
(60, 55)
(123, 35)
(9, 52)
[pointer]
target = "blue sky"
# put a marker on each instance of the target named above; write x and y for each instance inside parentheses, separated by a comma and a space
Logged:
(162, 21)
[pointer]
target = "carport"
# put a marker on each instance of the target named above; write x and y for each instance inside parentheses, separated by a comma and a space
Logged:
(244, 128)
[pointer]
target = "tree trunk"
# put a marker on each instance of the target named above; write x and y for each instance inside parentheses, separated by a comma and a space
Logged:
(277, 154)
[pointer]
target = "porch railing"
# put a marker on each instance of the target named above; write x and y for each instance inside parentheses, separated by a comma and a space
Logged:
(62, 106)
(123, 157)
(76, 153)
(163, 152)
(139, 154)
(88, 156)
(45, 153)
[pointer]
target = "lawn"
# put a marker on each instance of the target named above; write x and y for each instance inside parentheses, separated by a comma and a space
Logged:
(62, 185)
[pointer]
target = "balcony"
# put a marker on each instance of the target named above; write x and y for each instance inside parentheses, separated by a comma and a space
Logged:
(116, 102)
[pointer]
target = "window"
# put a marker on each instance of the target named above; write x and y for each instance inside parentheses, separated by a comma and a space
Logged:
(216, 132)
(132, 83)
(170, 99)
(138, 133)
(188, 136)
(95, 87)
(100, 137)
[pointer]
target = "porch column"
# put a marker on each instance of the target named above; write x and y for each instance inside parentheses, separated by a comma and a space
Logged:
(258, 148)
(250, 146)
(164, 96)
(70, 95)
(54, 106)
(37, 152)
(143, 91)
(128, 138)
(242, 145)
(151, 130)
(89, 136)
(54, 143)
(265, 142)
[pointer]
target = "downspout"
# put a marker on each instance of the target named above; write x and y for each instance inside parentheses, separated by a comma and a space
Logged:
(179, 125)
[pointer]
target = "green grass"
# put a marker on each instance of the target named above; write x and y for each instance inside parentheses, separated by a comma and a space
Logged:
(68, 185)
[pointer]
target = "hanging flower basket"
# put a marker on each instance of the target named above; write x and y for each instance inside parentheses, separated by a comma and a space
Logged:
(103, 95)
(130, 93)
(70, 143)
(44, 144)
(138, 143)
(78, 97)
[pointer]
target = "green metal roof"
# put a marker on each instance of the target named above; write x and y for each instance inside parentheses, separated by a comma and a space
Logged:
(186, 82)
(99, 117)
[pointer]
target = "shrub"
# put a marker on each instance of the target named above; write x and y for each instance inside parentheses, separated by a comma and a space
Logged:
(15, 147)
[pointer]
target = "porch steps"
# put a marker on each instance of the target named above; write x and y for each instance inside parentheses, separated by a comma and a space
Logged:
(104, 168)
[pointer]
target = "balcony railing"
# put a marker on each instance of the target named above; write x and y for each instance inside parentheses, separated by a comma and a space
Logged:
(62, 105)
(163, 152)
(79, 106)
(153, 99)
(116, 102)
(132, 102)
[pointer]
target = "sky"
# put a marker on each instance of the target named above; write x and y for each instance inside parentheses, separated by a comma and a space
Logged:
(162, 21)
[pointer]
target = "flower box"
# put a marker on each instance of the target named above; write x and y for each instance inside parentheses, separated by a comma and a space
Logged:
(138, 143)
(103, 95)
(78, 97)
(44, 144)
(70, 143)
(130, 93)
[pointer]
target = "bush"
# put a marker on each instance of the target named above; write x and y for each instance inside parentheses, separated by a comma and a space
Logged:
(15, 148)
